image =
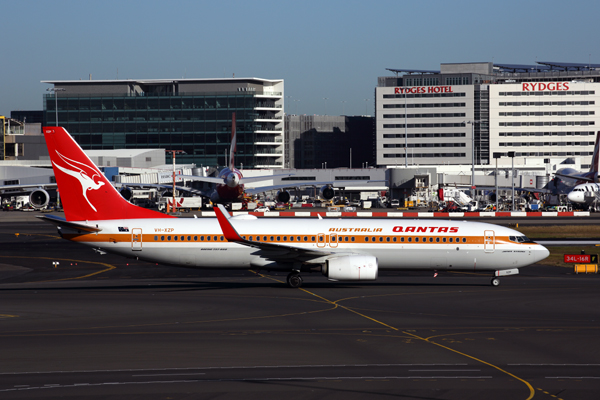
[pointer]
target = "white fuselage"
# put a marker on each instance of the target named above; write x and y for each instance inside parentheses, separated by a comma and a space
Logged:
(585, 193)
(397, 244)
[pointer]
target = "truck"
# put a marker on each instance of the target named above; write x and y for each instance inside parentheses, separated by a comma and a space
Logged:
(185, 204)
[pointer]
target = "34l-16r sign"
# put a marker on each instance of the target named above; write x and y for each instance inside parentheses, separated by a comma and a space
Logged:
(581, 258)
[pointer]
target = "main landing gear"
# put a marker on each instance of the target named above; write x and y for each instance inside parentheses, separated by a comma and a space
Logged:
(294, 280)
(495, 281)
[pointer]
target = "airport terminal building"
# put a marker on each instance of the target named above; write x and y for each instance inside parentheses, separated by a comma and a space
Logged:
(193, 115)
(463, 113)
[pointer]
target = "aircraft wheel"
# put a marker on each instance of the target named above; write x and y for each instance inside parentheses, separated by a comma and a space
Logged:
(495, 282)
(294, 280)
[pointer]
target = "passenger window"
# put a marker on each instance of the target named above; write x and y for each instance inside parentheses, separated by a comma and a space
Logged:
(352, 238)
(168, 237)
(162, 238)
(437, 240)
(189, 238)
(291, 238)
(381, 239)
(155, 238)
(366, 238)
(272, 238)
(208, 238)
(174, 237)
(416, 239)
(279, 238)
(444, 240)
(464, 240)
(305, 238)
(222, 238)
(410, 239)
(388, 239)
(202, 238)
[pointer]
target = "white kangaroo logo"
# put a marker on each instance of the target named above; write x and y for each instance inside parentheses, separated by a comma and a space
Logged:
(87, 182)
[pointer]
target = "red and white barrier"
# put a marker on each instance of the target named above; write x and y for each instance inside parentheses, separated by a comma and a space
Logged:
(408, 214)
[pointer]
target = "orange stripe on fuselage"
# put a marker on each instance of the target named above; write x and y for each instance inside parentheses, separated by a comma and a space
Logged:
(297, 239)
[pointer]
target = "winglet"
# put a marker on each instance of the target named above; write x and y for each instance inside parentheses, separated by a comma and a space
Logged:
(228, 230)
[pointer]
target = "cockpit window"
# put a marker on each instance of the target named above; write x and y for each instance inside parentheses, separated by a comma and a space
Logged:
(519, 239)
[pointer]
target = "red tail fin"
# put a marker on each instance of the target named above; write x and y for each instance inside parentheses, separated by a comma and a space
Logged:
(594, 167)
(233, 144)
(85, 192)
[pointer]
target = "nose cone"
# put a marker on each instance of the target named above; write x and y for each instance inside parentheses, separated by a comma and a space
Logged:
(540, 253)
(233, 180)
(574, 197)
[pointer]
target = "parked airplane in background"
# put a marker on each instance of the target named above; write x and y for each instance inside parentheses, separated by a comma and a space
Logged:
(586, 193)
(341, 249)
(230, 183)
(574, 177)
(230, 180)
(38, 195)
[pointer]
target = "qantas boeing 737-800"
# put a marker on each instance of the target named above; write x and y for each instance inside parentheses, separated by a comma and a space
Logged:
(342, 249)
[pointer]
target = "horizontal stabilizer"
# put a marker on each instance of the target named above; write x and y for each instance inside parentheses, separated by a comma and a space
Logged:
(61, 222)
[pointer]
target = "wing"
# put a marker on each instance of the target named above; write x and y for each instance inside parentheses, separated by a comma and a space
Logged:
(271, 251)
(302, 184)
(26, 187)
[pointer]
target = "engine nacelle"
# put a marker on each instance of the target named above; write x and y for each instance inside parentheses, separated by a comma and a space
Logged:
(39, 198)
(351, 268)
(326, 192)
(283, 196)
(126, 193)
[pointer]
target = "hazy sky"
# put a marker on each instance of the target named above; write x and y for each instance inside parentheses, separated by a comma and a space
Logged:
(329, 53)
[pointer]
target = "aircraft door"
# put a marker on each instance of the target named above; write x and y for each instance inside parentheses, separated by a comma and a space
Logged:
(324, 240)
(136, 239)
(489, 241)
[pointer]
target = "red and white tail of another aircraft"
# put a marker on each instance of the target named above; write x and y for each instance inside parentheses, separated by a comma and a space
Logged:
(342, 249)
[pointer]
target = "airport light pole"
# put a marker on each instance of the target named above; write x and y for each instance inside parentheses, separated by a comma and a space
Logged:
(472, 122)
(55, 89)
(497, 156)
(405, 132)
(173, 152)
(511, 154)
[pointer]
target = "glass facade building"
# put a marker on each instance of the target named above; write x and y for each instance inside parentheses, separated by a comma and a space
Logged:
(193, 115)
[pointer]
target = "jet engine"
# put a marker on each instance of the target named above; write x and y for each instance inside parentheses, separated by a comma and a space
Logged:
(326, 192)
(39, 198)
(283, 196)
(351, 268)
(126, 193)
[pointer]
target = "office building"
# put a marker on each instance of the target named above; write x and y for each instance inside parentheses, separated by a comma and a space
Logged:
(192, 115)
(467, 112)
